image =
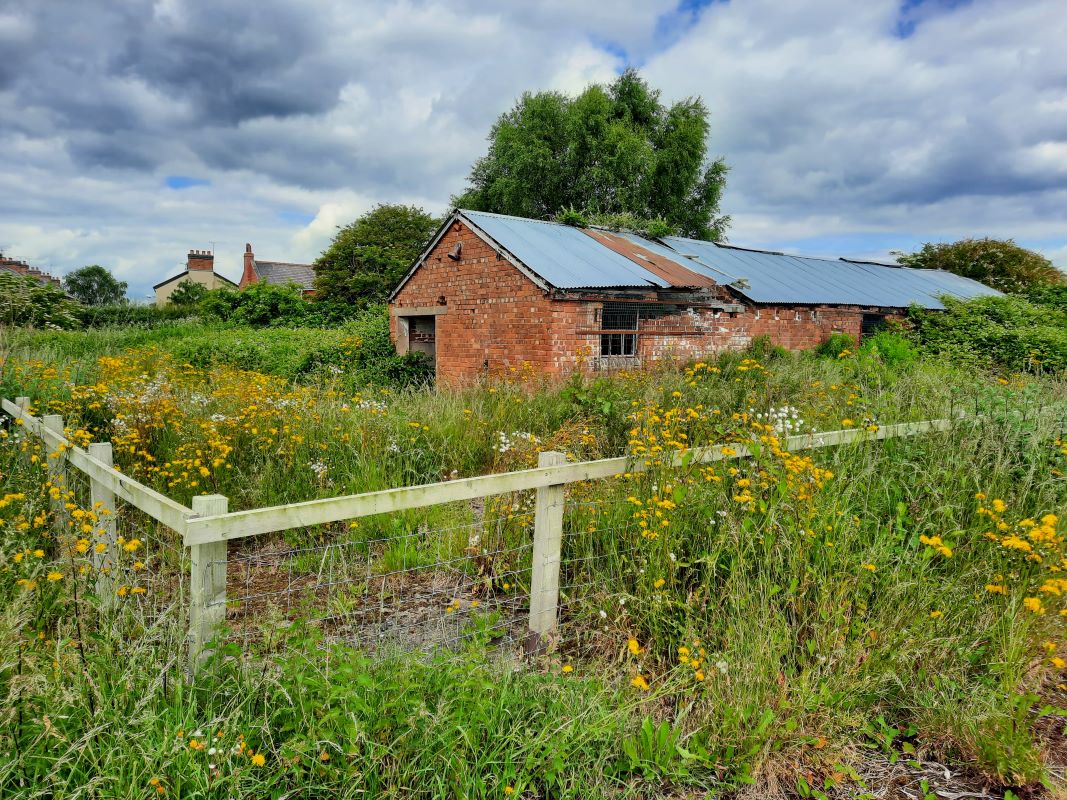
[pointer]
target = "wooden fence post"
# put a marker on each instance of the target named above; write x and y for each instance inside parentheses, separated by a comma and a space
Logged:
(207, 584)
(57, 468)
(548, 542)
(23, 403)
(103, 500)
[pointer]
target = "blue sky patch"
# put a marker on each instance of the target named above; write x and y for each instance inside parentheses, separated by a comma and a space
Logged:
(912, 11)
(184, 182)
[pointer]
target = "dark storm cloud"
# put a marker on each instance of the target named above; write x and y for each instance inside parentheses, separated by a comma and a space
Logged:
(236, 61)
(105, 73)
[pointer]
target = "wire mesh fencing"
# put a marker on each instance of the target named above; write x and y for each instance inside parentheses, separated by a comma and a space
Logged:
(130, 568)
(440, 579)
(455, 574)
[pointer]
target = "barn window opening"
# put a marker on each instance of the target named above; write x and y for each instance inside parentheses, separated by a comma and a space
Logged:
(618, 317)
(871, 324)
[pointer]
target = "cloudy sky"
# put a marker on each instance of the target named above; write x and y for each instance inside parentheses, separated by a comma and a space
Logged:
(131, 132)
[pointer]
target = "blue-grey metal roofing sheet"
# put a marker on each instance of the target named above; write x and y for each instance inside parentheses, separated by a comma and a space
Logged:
(563, 255)
(777, 278)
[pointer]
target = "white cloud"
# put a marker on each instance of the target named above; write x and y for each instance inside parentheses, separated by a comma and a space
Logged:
(833, 125)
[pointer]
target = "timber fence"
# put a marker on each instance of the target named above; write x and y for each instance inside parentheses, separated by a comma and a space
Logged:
(496, 570)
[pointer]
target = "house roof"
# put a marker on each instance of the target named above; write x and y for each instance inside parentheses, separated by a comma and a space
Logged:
(769, 277)
(185, 272)
(284, 272)
(24, 270)
(566, 257)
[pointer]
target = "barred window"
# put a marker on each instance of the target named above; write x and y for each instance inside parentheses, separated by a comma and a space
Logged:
(619, 317)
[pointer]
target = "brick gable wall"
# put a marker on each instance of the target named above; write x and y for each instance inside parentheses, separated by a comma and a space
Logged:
(496, 318)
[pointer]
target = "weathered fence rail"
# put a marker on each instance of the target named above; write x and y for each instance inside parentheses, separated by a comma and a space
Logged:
(208, 526)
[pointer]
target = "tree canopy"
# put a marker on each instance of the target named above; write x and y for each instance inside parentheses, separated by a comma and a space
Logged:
(612, 150)
(368, 257)
(187, 294)
(94, 285)
(1002, 265)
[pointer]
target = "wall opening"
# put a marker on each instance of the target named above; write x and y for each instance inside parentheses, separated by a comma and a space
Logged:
(871, 324)
(616, 346)
(419, 334)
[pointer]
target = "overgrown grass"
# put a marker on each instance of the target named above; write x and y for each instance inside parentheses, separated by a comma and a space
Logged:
(794, 610)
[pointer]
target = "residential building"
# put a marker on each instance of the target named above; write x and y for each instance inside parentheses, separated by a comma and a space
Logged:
(21, 268)
(279, 273)
(199, 268)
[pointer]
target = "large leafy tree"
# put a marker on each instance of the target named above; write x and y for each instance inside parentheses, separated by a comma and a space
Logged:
(1002, 265)
(368, 257)
(612, 150)
(94, 285)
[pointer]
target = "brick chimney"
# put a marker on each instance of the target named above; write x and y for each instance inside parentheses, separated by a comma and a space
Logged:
(249, 275)
(200, 260)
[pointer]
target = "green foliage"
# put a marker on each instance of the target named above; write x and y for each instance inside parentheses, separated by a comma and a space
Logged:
(655, 753)
(1049, 295)
(764, 347)
(612, 150)
(1002, 265)
(626, 221)
(95, 286)
(1006, 332)
(129, 315)
(188, 294)
(359, 353)
(835, 344)
(259, 305)
(806, 655)
(366, 259)
(27, 303)
(893, 349)
(572, 217)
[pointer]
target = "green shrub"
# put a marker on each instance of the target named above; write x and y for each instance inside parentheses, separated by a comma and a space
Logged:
(125, 315)
(27, 303)
(260, 305)
(1054, 297)
(836, 344)
(893, 349)
(763, 347)
(1005, 332)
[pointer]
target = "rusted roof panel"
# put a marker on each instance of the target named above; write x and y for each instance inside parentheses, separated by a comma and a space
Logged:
(670, 268)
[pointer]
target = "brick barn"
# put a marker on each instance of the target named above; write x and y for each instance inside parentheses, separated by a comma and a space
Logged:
(493, 292)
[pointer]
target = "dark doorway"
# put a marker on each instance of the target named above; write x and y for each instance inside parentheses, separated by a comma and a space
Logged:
(871, 324)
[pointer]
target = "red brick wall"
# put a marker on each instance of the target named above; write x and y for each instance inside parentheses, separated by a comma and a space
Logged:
(496, 319)
(683, 335)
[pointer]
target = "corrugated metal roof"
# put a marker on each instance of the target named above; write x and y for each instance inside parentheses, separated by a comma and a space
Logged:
(778, 278)
(563, 255)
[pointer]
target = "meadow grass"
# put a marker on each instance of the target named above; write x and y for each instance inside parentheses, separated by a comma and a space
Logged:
(759, 623)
